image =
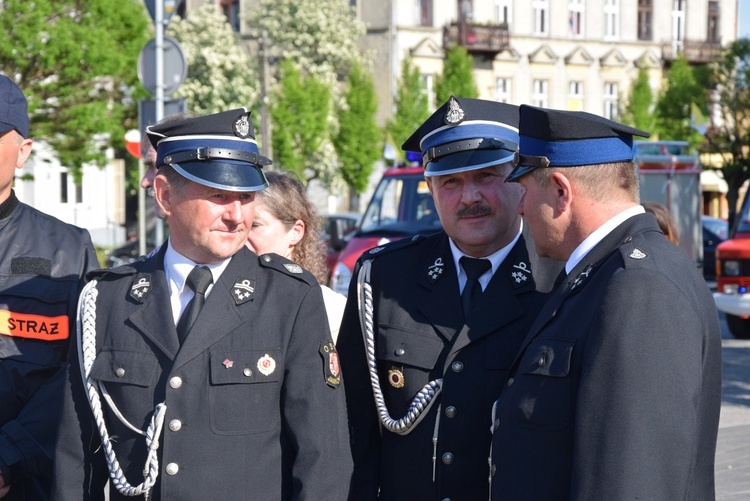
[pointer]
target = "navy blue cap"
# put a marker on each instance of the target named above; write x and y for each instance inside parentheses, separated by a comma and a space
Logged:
(466, 134)
(558, 138)
(216, 150)
(13, 108)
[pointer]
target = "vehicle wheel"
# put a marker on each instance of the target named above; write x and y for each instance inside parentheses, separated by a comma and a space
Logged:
(738, 326)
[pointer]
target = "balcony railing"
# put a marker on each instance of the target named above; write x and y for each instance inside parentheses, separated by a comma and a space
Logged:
(695, 51)
(480, 39)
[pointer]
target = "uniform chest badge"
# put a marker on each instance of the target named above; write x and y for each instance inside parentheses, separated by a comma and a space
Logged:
(637, 254)
(293, 268)
(396, 378)
(436, 270)
(243, 290)
(266, 365)
(227, 363)
(520, 274)
(140, 288)
(331, 365)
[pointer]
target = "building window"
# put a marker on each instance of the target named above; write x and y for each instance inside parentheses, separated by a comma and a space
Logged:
(540, 98)
(576, 17)
(424, 12)
(231, 9)
(575, 96)
(504, 12)
(467, 10)
(79, 193)
(63, 187)
(611, 19)
(645, 17)
(678, 20)
(502, 90)
(714, 10)
(610, 100)
(541, 16)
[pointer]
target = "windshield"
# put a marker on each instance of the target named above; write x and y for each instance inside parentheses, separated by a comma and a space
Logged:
(401, 205)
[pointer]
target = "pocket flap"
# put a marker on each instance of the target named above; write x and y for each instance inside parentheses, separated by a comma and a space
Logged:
(249, 366)
(408, 347)
(125, 367)
(548, 357)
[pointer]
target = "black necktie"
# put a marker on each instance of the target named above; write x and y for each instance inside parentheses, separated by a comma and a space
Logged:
(198, 280)
(474, 269)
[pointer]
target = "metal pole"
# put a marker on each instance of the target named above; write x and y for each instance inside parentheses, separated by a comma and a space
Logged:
(159, 28)
(265, 121)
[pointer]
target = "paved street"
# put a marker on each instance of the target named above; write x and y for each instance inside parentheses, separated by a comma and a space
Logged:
(733, 449)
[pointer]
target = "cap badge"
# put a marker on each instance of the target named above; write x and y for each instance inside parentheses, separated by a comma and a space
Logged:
(396, 378)
(140, 288)
(243, 290)
(331, 366)
(455, 114)
(435, 270)
(266, 365)
(637, 254)
(242, 127)
(293, 268)
(521, 273)
(227, 363)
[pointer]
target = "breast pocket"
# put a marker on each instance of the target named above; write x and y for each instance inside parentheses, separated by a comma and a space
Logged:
(244, 395)
(408, 347)
(544, 386)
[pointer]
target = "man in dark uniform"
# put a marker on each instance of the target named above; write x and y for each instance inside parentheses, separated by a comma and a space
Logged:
(427, 331)
(617, 389)
(239, 399)
(41, 273)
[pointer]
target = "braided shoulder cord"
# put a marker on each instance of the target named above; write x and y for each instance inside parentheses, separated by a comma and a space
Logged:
(86, 330)
(423, 400)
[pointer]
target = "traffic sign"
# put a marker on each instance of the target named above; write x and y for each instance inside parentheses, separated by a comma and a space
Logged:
(175, 66)
(170, 7)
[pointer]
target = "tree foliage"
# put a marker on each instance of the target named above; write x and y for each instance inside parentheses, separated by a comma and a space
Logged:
(76, 63)
(458, 76)
(355, 142)
(674, 106)
(639, 109)
(299, 113)
(730, 135)
(411, 104)
(221, 75)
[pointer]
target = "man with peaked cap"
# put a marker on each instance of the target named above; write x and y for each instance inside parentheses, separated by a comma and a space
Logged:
(42, 269)
(616, 391)
(437, 336)
(205, 368)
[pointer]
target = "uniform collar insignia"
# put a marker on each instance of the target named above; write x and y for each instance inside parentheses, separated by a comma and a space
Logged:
(293, 268)
(520, 274)
(435, 270)
(454, 115)
(376, 250)
(637, 254)
(141, 287)
(243, 290)
(580, 279)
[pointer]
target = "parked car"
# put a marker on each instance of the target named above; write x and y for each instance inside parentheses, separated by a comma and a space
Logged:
(715, 231)
(336, 229)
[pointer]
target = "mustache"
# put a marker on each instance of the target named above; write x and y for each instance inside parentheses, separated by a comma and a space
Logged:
(474, 210)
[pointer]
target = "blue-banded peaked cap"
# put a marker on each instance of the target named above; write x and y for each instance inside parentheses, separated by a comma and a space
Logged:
(466, 134)
(13, 108)
(216, 150)
(559, 138)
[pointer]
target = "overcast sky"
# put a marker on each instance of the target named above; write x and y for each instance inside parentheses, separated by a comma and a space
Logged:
(744, 18)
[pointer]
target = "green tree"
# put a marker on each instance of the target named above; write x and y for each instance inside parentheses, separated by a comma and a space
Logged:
(411, 105)
(221, 75)
(358, 143)
(76, 62)
(458, 76)
(674, 106)
(730, 135)
(299, 111)
(639, 110)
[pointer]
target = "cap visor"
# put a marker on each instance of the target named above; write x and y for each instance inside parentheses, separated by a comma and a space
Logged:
(518, 173)
(229, 176)
(467, 160)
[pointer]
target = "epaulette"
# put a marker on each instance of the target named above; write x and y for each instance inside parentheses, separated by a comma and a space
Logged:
(123, 270)
(287, 267)
(390, 247)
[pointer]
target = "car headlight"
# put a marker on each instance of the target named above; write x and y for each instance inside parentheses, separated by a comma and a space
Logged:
(732, 268)
(340, 278)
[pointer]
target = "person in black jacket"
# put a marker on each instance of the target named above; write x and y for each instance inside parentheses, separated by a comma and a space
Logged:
(617, 389)
(208, 367)
(435, 342)
(41, 272)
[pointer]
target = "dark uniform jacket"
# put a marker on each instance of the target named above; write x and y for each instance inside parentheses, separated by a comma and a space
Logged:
(255, 408)
(41, 270)
(617, 390)
(420, 331)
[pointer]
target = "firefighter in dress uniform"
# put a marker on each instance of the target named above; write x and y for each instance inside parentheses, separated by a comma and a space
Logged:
(425, 343)
(206, 372)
